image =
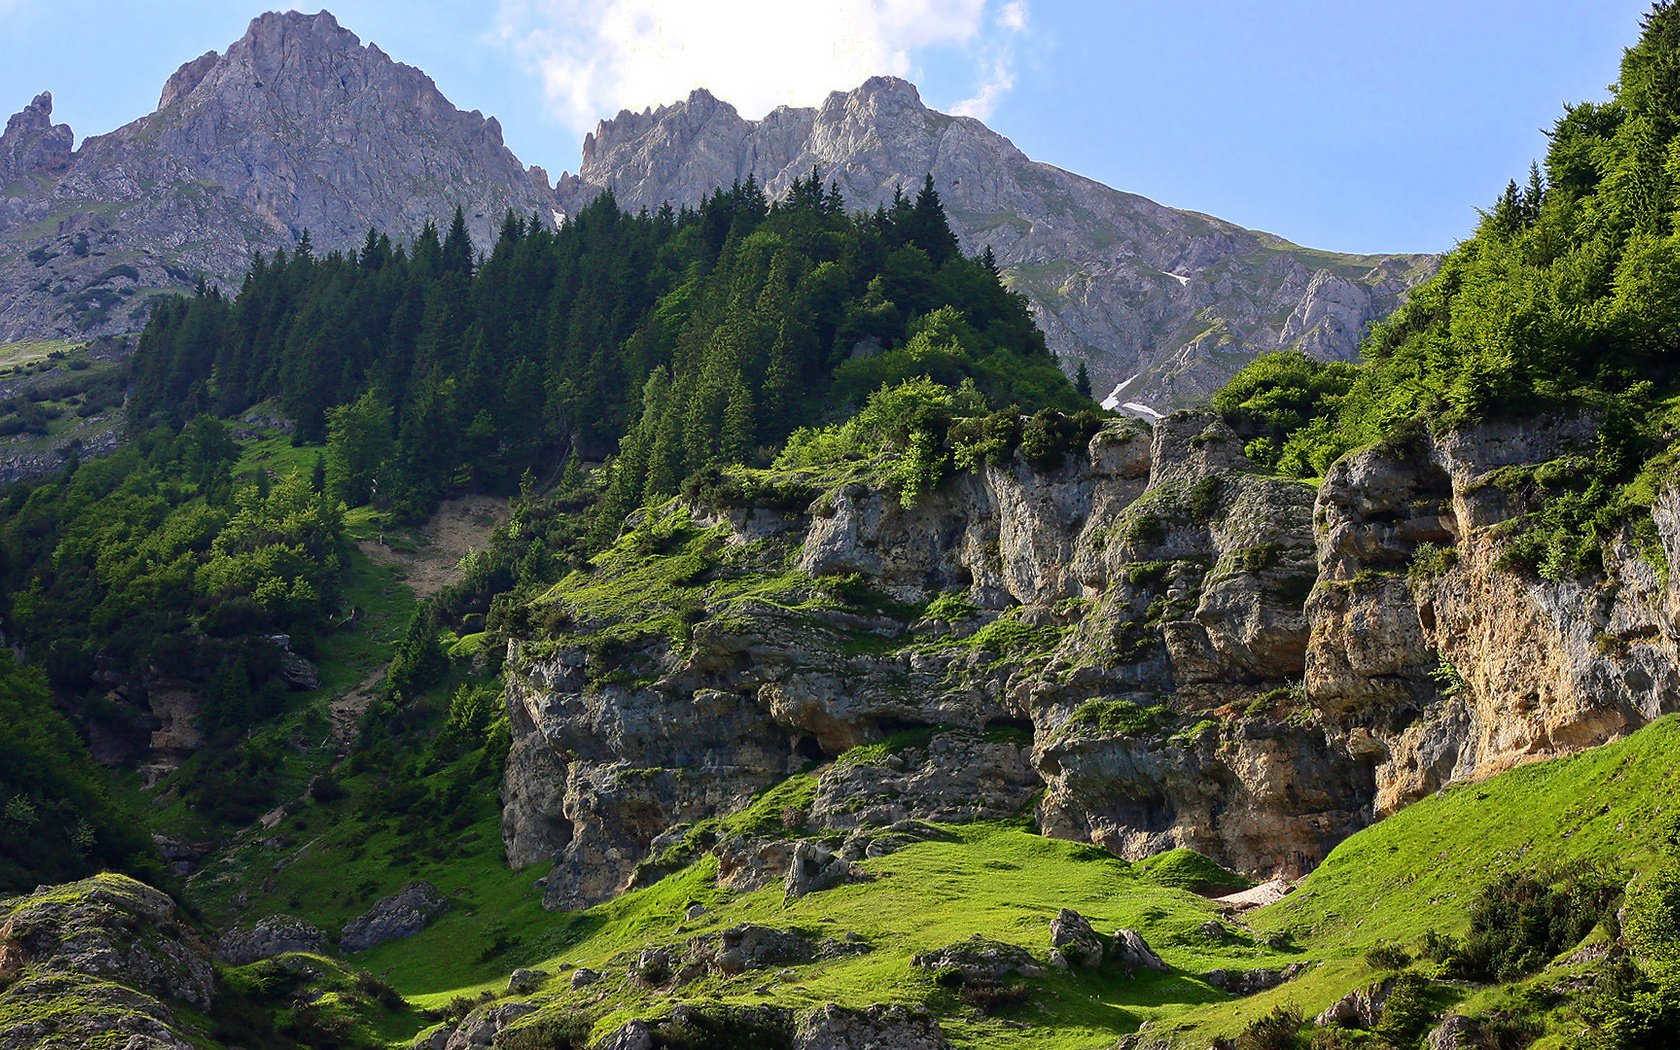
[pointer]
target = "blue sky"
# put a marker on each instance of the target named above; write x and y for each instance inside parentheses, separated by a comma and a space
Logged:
(1342, 125)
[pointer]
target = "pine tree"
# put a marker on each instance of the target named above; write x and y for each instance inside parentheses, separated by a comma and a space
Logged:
(1082, 381)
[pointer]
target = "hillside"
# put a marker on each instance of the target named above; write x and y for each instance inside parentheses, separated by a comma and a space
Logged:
(728, 626)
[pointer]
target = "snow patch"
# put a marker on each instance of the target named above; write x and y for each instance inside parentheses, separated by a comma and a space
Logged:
(1138, 408)
(1182, 278)
(1112, 401)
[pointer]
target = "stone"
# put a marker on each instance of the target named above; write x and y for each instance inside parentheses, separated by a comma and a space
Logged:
(525, 981)
(583, 977)
(270, 936)
(403, 914)
(1455, 1032)
(814, 869)
(834, 1027)
(116, 948)
(1073, 938)
(479, 1029)
(1361, 1008)
(1129, 949)
(980, 960)
(1251, 982)
(694, 912)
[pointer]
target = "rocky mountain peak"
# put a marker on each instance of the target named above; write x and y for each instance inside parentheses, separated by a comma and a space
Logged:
(1166, 303)
(189, 76)
(32, 143)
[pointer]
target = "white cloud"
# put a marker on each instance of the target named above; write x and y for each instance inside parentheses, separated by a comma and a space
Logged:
(596, 57)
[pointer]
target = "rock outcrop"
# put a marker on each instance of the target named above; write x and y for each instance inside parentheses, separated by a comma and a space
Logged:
(402, 914)
(1168, 646)
(104, 961)
(1175, 301)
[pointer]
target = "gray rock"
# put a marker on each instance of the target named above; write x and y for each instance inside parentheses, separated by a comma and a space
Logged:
(1361, 1008)
(1072, 936)
(526, 981)
(834, 1027)
(1130, 950)
(749, 947)
(814, 869)
(1455, 1032)
(271, 936)
(632, 1035)
(115, 948)
(479, 1029)
(1251, 982)
(403, 914)
(583, 977)
(981, 960)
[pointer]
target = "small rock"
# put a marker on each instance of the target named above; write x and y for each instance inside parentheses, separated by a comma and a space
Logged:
(1250, 982)
(274, 935)
(583, 977)
(524, 982)
(694, 912)
(1132, 951)
(814, 869)
(1072, 935)
(1455, 1032)
(1361, 1008)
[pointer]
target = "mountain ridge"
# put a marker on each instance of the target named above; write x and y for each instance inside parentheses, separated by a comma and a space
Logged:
(299, 125)
(1168, 298)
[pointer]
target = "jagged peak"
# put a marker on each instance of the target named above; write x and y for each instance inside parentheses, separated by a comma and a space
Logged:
(891, 87)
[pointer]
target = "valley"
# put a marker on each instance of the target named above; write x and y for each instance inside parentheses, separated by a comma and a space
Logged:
(700, 603)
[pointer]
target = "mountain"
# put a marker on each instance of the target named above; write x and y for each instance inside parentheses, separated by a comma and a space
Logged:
(296, 126)
(1162, 305)
(299, 126)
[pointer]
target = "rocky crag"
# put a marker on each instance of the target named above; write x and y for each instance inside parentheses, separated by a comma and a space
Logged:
(296, 126)
(1150, 642)
(1162, 305)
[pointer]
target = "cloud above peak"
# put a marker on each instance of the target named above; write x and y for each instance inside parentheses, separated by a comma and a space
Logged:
(598, 57)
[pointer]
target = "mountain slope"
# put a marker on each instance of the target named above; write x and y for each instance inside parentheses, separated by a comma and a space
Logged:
(297, 126)
(1122, 283)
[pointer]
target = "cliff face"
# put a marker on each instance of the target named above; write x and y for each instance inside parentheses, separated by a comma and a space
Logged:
(1175, 648)
(297, 126)
(1177, 299)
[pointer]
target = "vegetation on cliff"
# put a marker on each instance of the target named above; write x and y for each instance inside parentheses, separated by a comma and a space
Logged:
(1563, 301)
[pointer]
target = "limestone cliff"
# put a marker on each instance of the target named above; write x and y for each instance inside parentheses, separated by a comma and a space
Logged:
(1173, 647)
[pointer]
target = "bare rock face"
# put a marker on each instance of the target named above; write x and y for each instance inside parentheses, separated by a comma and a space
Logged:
(1447, 664)
(116, 950)
(32, 144)
(297, 126)
(1174, 300)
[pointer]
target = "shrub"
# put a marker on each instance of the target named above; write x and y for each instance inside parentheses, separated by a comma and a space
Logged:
(1519, 922)
(1278, 1030)
(1386, 955)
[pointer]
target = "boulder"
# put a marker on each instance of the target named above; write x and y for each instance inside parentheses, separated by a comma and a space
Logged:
(524, 981)
(1251, 982)
(1361, 1008)
(980, 960)
(814, 869)
(583, 977)
(1130, 950)
(1455, 1032)
(271, 936)
(834, 1027)
(403, 914)
(1071, 935)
